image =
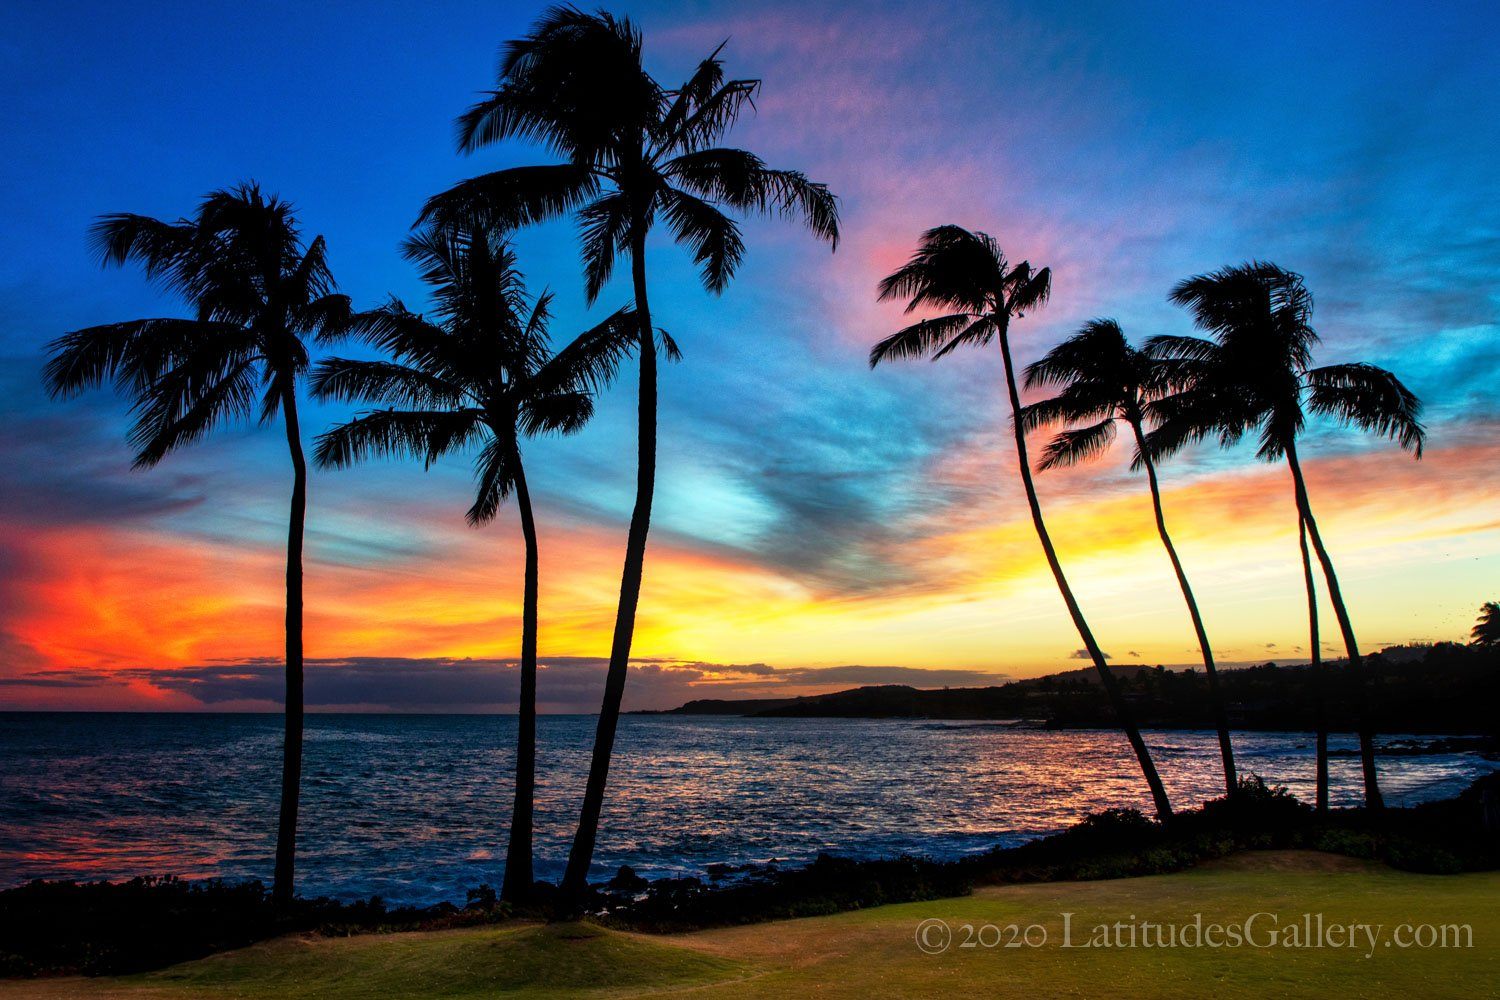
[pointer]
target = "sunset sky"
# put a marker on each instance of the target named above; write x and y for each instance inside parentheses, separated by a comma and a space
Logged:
(818, 525)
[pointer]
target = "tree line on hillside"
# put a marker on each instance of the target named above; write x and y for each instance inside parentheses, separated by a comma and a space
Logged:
(477, 373)
(1444, 689)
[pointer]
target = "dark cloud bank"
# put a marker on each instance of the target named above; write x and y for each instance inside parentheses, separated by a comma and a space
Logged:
(565, 684)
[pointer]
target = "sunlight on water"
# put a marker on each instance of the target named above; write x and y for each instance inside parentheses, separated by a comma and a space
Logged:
(415, 808)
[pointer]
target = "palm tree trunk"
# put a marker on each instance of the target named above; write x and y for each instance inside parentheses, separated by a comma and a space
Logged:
(1221, 719)
(1320, 692)
(282, 887)
(575, 879)
(1106, 677)
(518, 869)
(1373, 799)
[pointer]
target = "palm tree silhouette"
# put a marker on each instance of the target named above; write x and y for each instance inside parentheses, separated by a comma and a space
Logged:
(632, 151)
(482, 376)
(967, 273)
(259, 292)
(1103, 379)
(1486, 630)
(1254, 374)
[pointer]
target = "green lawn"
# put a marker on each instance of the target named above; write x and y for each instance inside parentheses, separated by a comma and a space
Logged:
(873, 953)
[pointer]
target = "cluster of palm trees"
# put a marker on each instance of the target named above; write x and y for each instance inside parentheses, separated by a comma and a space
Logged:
(1252, 374)
(479, 375)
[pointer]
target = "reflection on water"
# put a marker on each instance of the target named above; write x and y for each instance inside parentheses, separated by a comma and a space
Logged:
(414, 808)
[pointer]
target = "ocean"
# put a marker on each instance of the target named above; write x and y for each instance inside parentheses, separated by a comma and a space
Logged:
(415, 808)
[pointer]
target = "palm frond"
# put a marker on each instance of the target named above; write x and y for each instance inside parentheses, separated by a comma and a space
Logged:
(276, 387)
(573, 82)
(187, 403)
(1097, 352)
(591, 360)
(976, 334)
(328, 318)
(1167, 375)
(1279, 428)
(1044, 413)
(556, 413)
(495, 472)
(920, 339)
(604, 232)
(405, 335)
(667, 347)
(706, 81)
(1030, 289)
(1178, 348)
(533, 340)
(741, 180)
(1190, 417)
(308, 279)
(951, 268)
(710, 236)
(1072, 447)
(509, 199)
(1077, 402)
(437, 249)
(134, 354)
(423, 434)
(354, 381)
(707, 116)
(1370, 398)
(504, 113)
(166, 251)
(1259, 303)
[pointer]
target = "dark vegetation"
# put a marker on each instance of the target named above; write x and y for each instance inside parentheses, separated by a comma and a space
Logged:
(54, 928)
(1445, 688)
(110, 928)
(1455, 835)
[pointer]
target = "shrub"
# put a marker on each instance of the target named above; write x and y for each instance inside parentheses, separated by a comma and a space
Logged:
(104, 928)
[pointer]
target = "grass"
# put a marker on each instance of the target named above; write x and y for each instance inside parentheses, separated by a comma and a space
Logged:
(872, 952)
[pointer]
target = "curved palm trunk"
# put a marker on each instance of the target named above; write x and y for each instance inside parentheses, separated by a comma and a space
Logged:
(1373, 798)
(575, 880)
(518, 868)
(1221, 719)
(1320, 693)
(1106, 676)
(282, 888)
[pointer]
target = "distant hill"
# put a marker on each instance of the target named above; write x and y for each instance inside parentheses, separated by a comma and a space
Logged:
(1445, 688)
(882, 701)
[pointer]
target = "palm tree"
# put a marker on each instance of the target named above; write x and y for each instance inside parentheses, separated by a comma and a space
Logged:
(259, 293)
(1254, 373)
(483, 376)
(632, 152)
(1487, 629)
(954, 269)
(1105, 380)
